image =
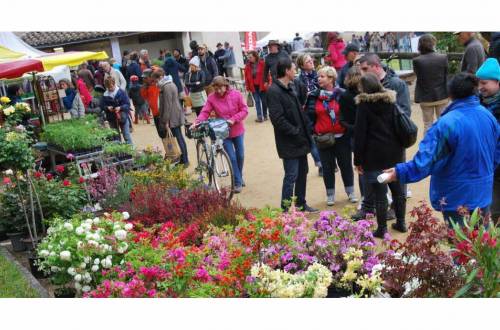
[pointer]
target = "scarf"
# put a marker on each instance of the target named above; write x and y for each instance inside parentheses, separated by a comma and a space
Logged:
(490, 100)
(113, 93)
(326, 97)
(69, 98)
(310, 79)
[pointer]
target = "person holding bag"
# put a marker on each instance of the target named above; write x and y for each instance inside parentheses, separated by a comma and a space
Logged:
(329, 135)
(377, 147)
(171, 116)
(195, 82)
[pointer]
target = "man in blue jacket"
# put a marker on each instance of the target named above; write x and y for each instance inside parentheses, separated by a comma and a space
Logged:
(460, 152)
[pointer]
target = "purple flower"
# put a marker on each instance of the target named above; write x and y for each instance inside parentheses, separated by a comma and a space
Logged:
(290, 266)
(286, 257)
(334, 267)
(70, 156)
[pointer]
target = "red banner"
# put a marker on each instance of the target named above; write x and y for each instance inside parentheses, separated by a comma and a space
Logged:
(250, 41)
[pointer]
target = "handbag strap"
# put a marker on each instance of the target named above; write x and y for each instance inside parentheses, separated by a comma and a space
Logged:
(169, 131)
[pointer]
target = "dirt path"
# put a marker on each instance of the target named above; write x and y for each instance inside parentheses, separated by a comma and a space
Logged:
(263, 170)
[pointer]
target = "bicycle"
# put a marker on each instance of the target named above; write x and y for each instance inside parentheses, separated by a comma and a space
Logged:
(214, 166)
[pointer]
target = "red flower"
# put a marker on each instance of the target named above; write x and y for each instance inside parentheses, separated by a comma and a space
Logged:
(60, 168)
(473, 235)
(492, 242)
(66, 183)
(81, 179)
(7, 180)
(38, 174)
(49, 176)
(464, 246)
(486, 237)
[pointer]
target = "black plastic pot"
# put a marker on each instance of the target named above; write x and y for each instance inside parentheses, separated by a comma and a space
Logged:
(34, 268)
(65, 293)
(334, 292)
(16, 241)
(28, 244)
(3, 236)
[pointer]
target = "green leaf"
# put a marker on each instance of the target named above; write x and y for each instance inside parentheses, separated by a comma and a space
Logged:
(463, 290)
(472, 275)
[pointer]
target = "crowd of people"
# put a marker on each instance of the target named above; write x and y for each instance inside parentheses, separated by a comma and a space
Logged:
(341, 112)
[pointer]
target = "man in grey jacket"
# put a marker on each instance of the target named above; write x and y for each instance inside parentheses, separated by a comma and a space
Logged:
(474, 54)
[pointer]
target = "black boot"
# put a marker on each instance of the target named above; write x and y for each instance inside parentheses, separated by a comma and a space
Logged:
(400, 210)
(381, 219)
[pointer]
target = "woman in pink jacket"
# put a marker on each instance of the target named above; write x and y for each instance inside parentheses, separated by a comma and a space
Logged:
(228, 104)
(335, 48)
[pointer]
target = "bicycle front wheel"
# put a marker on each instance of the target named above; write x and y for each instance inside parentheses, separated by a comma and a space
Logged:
(203, 170)
(223, 173)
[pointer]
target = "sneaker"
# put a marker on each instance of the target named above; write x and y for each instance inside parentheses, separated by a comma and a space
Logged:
(259, 120)
(352, 198)
(330, 200)
(390, 215)
(243, 184)
(320, 171)
(265, 118)
(237, 189)
(306, 208)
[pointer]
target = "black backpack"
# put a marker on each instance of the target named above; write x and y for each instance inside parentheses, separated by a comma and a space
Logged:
(406, 130)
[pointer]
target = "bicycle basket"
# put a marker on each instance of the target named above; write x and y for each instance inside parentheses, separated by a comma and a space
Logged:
(219, 129)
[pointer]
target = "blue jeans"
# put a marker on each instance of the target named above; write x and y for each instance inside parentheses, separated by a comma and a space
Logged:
(124, 128)
(315, 154)
(260, 103)
(295, 180)
(177, 132)
(236, 152)
(457, 218)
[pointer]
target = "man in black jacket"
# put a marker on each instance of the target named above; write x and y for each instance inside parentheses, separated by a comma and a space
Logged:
(495, 46)
(291, 133)
(271, 61)
(207, 65)
(474, 54)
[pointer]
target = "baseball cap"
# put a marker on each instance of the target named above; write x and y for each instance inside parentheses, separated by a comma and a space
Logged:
(350, 48)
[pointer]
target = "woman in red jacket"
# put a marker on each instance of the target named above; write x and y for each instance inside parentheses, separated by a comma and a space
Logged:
(336, 47)
(254, 70)
(323, 110)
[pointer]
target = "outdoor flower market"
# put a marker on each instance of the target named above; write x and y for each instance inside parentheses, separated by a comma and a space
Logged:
(125, 178)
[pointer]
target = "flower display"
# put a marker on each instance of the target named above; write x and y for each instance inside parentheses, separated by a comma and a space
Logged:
(71, 245)
(313, 282)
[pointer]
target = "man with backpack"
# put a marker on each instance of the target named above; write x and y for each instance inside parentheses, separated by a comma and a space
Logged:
(208, 66)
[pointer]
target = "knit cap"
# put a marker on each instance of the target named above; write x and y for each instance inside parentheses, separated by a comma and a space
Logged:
(195, 61)
(490, 70)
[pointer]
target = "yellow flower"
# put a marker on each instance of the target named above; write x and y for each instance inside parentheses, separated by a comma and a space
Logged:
(9, 110)
(4, 100)
(22, 106)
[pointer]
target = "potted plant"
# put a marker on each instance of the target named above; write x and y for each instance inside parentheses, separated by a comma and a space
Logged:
(64, 292)
(121, 151)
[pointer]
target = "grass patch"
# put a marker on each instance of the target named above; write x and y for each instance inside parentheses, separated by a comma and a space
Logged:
(12, 282)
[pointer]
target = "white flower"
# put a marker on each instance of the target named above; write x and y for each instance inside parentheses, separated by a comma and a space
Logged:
(78, 278)
(106, 263)
(65, 255)
(80, 231)
(86, 288)
(95, 268)
(68, 226)
(87, 260)
(44, 253)
(129, 226)
(78, 286)
(122, 247)
(54, 269)
(79, 245)
(9, 172)
(96, 261)
(52, 253)
(93, 243)
(87, 226)
(97, 207)
(126, 215)
(121, 234)
(50, 230)
(96, 220)
(71, 271)
(88, 221)
(83, 265)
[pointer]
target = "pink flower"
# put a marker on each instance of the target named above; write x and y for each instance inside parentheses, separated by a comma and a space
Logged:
(152, 293)
(60, 169)
(66, 183)
(202, 275)
(49, 176)
(38, 174)
(70, 156)
(81, 180)
(7, 181)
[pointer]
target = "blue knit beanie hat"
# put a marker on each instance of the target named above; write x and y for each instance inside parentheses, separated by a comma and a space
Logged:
(490, 70)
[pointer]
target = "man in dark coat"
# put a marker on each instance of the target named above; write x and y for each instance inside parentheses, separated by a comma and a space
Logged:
(474, 54)
(495, 46)
(172, 68)
(291, 133)
(220, 62)
(350, 52)
(271, 60)
(207, 64)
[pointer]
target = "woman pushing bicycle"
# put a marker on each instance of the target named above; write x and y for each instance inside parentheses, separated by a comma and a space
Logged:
(228, 104)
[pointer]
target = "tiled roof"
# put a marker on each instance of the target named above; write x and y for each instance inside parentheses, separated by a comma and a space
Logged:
(52, 39)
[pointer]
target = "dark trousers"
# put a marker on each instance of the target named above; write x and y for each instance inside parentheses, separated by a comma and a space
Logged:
(495, 205)
(162, 132)
(197, 110)
(379, 192)
(341, 151)
(177, 132)
(294, 181)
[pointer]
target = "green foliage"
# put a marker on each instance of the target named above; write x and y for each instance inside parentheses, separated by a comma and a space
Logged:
(12, 282)
(447, 42)
(113, 148)
(15, 151)
(120, 196)
(149, 158)
(11, 215)
(77, 134)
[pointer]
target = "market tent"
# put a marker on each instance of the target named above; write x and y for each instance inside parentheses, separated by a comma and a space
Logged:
(9, 55)
(17, 68)
(50, 61)
(13, 42)
(282, 36)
